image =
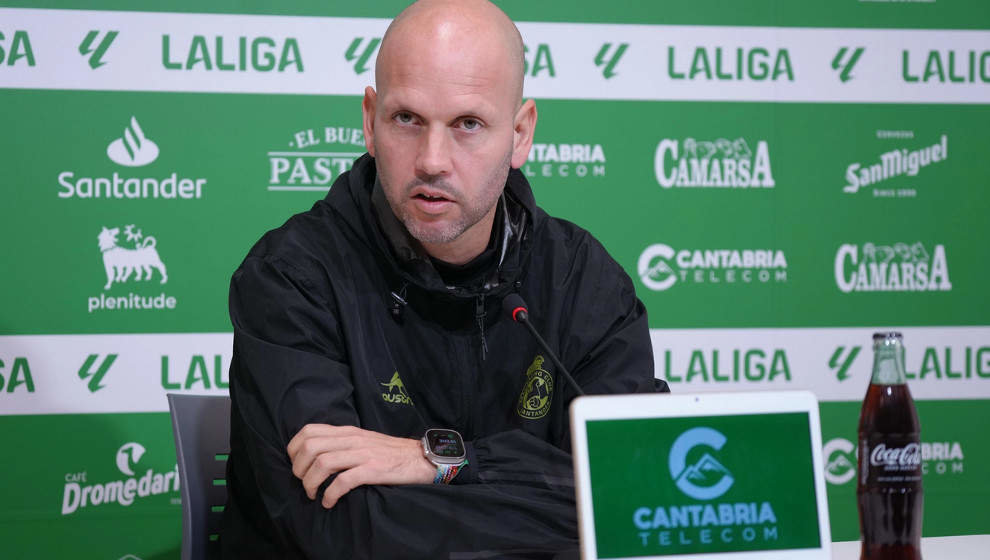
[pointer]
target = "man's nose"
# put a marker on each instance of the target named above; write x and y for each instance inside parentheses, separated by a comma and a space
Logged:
(434, 152)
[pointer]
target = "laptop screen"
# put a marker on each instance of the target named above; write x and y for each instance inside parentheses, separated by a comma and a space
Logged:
(702, 484)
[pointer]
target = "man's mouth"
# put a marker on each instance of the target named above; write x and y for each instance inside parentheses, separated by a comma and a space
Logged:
(431, 198)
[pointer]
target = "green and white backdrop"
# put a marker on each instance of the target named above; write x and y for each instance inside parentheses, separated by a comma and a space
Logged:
(779, 178)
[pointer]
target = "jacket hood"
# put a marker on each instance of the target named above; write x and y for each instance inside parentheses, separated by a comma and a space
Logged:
(352, 194)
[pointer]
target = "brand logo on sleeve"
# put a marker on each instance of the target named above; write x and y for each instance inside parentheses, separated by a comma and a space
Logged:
(537, 393)
(395, 391)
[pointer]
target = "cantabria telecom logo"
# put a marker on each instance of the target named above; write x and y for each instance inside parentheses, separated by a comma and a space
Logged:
(315, 158)
(77, 494)
(704, 480)
(720, 163)
(132, 149)
(660, 266)
(840, 461)
(897, 267)
(138, 262)
(895, 163)
(707, 479)
(565, 160)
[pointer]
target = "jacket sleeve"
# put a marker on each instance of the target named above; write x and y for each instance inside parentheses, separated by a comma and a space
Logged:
(607, 350)
(288, 370)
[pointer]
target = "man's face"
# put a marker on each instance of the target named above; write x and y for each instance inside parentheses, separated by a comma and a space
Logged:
(443, 132)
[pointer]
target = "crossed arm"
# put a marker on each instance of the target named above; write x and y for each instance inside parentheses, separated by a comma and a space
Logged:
(358, 457)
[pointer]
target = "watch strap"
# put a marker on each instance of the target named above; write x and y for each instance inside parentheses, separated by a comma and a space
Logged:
(447, 472)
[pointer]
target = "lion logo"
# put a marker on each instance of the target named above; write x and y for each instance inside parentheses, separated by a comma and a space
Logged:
(537, 392)
(120, 262)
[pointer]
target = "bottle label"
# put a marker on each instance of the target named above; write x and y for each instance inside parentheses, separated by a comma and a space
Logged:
(890, 460)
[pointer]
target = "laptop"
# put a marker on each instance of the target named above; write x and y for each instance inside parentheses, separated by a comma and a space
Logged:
(720, 476)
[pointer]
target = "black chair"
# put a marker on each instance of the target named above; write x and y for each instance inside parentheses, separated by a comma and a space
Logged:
(201, 425)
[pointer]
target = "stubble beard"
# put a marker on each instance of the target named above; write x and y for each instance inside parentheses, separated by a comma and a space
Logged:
(472, 210)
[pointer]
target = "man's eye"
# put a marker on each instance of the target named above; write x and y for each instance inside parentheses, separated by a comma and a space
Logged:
(470, 124)
(403, 118)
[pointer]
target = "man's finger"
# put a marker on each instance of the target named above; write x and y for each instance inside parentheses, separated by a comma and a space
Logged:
(344, 483)
(307, 432)
(309, 449)
(325, 465)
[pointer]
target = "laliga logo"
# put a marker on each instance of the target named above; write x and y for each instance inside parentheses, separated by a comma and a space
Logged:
(134, 149)
(656, 276)
(715, 479)
(129, 454)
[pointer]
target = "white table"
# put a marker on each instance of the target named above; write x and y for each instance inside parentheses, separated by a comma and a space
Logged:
(968, 547)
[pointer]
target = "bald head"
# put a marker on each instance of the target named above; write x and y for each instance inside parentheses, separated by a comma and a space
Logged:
(477, 30)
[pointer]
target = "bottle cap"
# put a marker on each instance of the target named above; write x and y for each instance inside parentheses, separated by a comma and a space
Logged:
(887, 338)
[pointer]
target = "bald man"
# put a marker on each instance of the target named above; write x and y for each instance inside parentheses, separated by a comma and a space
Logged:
(383, 407)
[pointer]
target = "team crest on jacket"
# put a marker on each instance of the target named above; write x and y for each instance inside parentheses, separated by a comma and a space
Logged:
(534, 401)
(395, 391)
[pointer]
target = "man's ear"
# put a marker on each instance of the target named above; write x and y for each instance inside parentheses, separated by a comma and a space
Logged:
(522, 134)
(368, 118)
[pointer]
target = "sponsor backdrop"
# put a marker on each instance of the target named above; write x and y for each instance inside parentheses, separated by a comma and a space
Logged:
(780, 179)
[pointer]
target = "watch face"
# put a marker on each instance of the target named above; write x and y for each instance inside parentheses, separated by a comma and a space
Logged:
(445, 443)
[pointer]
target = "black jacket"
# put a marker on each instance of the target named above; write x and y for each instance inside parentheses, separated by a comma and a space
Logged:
(321, 336)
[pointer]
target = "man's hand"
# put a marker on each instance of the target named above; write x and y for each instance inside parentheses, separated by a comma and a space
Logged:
(360, 456)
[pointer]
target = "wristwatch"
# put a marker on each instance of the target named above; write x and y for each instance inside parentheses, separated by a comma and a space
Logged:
(445, 449)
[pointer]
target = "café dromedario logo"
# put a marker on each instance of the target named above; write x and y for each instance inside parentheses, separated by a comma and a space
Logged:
(79, 493)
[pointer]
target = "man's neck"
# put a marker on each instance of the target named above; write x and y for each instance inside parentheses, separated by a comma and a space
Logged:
(468, 245)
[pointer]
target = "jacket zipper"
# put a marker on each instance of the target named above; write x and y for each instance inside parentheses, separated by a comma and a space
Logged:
(479, 316)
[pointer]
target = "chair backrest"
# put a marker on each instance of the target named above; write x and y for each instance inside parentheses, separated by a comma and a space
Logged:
(201, 425)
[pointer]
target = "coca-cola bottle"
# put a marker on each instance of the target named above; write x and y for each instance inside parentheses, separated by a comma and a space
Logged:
(889, 488)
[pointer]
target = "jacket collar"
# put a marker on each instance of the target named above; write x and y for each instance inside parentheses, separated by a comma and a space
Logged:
(373, 219)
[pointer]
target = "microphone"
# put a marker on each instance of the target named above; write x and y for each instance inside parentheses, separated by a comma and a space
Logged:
(515, 307)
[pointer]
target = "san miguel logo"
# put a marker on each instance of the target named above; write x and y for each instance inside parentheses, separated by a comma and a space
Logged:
(720, 163)
(537, 392)
(395, 391)
(897, 267)
(894, 163)
(133, 259)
